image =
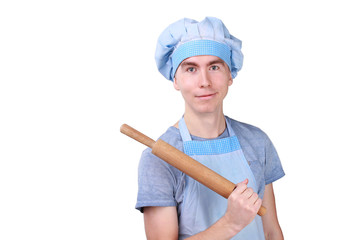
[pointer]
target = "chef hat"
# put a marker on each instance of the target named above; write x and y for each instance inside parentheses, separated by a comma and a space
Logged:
(187, 38)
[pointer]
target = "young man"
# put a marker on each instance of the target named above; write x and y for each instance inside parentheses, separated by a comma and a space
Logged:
(202, 59)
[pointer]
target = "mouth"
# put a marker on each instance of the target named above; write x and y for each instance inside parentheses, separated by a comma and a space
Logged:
(205, 96)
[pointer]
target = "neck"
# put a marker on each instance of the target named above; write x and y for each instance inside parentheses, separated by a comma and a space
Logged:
(205, 125)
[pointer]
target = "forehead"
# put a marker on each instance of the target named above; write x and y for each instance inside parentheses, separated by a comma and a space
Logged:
(202, 60)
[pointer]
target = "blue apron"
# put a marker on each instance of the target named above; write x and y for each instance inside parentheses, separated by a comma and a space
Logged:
(201, 207)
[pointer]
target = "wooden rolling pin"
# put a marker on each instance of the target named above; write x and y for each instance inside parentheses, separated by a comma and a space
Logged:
(186, 164)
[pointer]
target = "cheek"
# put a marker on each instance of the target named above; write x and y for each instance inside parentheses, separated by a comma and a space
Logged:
(185, 85)
(182, 84)
(186, 90)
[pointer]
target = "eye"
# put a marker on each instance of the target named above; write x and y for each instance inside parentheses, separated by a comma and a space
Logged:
(214, 68)
(190, 69)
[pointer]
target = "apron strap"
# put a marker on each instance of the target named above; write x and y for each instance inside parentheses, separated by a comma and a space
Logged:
(229, 128)
(184, 132)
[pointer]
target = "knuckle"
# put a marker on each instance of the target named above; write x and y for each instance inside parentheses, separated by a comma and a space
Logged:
(238, 200)
(231, 197)
(241, 187)
(254, 211)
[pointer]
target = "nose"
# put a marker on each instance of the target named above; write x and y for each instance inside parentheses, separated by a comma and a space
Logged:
(204, 80)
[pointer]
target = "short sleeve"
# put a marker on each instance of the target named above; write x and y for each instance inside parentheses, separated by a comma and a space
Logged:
(273, 167)
(156, 182)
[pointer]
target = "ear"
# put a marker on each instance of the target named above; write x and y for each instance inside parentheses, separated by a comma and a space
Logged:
(230, 77)
(176, 86)
(230, 81)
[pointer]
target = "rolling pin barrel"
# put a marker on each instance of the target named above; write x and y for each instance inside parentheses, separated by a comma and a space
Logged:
(186, 164)
(193, 168)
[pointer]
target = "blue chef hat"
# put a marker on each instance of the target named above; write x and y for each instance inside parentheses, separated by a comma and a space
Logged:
(187, 38)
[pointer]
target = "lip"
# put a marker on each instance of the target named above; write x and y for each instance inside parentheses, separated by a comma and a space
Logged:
(206, 96)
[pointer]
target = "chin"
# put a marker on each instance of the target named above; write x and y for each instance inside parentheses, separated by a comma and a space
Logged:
(206, 110)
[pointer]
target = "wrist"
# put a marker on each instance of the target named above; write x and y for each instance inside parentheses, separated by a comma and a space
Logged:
(231, 227)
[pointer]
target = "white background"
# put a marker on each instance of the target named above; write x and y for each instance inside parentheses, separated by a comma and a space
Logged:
(72, 72)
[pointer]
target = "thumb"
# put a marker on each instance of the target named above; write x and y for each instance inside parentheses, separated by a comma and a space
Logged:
(241, 186)
(246, 181)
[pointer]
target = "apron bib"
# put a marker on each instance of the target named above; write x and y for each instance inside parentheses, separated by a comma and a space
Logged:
(202, 207)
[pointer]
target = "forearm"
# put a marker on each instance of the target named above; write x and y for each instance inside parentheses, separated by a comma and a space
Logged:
(270, 221)
(243, 204)
(274, 236)
(221, 230)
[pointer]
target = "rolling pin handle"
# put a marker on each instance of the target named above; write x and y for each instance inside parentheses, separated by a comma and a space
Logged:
(136, 135)
(262, 211)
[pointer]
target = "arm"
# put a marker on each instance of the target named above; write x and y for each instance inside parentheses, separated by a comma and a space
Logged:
(271, 225)
(161, 223)
(243, 205)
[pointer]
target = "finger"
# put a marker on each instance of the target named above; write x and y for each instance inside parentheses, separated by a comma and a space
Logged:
(242, 186)
(248, 192)
(246, 181)
(254, 198)
(258, 204)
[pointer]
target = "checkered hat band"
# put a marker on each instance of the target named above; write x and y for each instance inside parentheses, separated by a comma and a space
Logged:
(200, 47)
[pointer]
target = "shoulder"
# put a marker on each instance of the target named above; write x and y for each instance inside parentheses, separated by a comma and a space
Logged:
(172, 137)
(247, 131)
(149, 160)
(159, 184)
(259, 152)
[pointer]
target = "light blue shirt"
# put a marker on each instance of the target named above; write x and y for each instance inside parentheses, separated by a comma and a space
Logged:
(162, 185)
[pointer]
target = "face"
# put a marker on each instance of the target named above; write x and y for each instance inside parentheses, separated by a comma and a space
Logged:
(203, 82)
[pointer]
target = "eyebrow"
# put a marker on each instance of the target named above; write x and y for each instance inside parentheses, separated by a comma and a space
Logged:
(217, 61)
(189, 63)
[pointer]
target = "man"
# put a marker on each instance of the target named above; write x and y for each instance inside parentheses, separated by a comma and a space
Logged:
(202, 59)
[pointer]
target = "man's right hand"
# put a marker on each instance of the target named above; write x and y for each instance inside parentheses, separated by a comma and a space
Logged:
(243, 205)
